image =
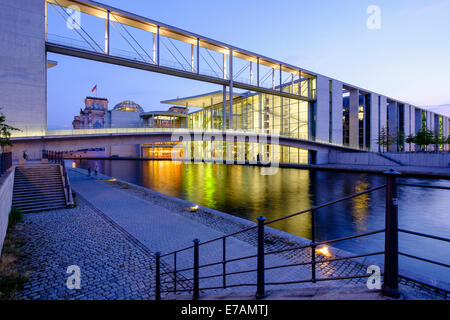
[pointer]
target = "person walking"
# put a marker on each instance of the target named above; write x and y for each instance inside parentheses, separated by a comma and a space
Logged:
(96, 169)
(89, 171)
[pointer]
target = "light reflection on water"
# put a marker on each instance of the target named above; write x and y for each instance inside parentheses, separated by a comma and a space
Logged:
(244, 192)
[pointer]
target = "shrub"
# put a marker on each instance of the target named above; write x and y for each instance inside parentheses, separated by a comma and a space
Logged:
(14, 216)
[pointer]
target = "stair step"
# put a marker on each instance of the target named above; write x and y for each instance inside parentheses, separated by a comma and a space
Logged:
(38, 198)
(39, 203)
(38, 171)
(37, 190)
(41, 186)
(44, 208)
(43, 183)
(37, 176)
(40, 176)
(38, 181)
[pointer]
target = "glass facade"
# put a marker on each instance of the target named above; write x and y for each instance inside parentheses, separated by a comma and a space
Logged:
(259, 112)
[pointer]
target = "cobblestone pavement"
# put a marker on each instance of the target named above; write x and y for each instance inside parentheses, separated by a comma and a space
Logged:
(113, 265)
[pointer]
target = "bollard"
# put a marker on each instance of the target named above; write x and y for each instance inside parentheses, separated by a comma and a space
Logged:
(158, 277)
(390, 285)
(260, 291)
(196, 293)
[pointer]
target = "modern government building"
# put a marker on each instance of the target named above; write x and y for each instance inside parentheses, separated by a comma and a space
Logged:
(258, 93)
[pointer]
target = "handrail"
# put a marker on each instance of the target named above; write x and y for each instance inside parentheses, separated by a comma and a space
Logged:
(58, 158)
(424, 235)
(327, 204)
(423, 186)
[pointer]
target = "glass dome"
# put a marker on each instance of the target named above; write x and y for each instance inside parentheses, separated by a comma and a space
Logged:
(128, 106)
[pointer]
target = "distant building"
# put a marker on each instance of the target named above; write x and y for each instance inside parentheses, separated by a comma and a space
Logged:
(125, 114)
(175, 117)
(93, 114)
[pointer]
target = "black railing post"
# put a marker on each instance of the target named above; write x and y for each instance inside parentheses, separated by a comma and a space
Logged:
(390, 285)
(196, 293)
(158, 276)
(313, 244)
(224, 262)
(175, 272)
(260, 291)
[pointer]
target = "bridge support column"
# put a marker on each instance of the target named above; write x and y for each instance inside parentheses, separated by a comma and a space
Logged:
(322, 157)
(224, 108)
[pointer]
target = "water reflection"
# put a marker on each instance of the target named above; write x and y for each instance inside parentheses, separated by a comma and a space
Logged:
(244, 192)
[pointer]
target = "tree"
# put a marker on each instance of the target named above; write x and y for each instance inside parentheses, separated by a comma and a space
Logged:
(400, 139)
(424, 138)
(384, 139)
(5, 132)
(439, 141)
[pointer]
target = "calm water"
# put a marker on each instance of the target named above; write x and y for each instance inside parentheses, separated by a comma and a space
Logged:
(244, 192)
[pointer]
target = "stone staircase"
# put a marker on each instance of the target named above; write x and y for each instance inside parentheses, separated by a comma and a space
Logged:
(38, 188)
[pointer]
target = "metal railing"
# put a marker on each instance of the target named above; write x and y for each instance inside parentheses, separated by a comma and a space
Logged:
(391, 252)
(58, 158)
(5, 162)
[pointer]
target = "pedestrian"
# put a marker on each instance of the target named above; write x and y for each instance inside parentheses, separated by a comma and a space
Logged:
(89, 171)
(96, 169)
(25, 156)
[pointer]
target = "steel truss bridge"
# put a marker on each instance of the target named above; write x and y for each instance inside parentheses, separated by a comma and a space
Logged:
(191, 56)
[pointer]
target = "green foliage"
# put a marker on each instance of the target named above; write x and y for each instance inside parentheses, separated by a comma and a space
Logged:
(14, 216)
(410, 139)
(385, 139)
(424, 138)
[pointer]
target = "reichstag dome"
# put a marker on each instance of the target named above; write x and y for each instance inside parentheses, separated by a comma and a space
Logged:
(128, 106)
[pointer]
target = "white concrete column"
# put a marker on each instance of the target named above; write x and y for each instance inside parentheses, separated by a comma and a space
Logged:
(412, 127)
(393, 123)
(407, 124)
(323, 109)
(375, 124)
(337, 112)
(446, 132)
(23, 65)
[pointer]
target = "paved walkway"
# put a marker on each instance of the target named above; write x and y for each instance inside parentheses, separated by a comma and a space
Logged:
(112, 264)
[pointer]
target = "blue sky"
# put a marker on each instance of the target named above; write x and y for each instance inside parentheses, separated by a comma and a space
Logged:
(408, 58)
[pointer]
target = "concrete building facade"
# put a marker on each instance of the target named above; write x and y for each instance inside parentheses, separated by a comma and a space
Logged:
(307, 106)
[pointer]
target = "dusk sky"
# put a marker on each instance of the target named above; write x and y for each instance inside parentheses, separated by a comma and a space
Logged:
(408, 58)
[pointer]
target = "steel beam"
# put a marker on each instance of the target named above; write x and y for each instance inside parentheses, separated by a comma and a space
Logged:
(107, 33)
(231, 88)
